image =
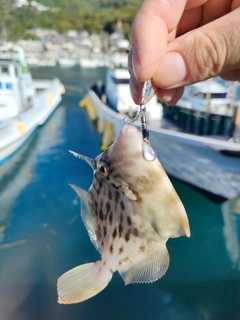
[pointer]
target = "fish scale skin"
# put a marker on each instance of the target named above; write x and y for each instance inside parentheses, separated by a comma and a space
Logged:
(119, 240)
(145, 180)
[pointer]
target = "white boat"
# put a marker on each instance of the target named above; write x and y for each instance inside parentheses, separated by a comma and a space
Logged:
(67, 62)
(119, 98)
(88, 63)
(192, 158)
(24, 104)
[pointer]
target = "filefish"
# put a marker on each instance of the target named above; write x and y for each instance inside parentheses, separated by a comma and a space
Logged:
(130, 211)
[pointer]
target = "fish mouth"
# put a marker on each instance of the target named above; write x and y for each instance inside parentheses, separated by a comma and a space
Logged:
(90, 161)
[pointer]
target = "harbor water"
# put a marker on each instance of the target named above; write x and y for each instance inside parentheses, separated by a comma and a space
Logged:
(42, 235)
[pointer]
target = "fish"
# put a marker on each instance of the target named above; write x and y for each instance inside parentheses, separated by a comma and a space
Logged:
(130, 211)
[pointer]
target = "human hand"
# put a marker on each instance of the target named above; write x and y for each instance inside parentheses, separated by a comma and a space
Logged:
(179, 42)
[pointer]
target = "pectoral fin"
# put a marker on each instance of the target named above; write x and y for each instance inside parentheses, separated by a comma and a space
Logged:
(124, 187)
(149, 270)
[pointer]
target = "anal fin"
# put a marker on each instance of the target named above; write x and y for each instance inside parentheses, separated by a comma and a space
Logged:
(149, 270)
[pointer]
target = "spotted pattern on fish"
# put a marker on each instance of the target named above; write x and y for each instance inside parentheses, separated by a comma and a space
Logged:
(121, 249)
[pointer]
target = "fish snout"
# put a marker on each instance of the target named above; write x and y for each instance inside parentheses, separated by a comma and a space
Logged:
(130, 135)
(129, 130)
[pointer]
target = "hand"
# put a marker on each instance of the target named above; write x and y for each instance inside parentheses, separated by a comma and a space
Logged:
(179, 42)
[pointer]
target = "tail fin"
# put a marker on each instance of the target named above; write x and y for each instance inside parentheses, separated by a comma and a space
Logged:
(81, 283)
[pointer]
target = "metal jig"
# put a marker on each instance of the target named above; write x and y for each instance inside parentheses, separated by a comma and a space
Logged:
(148, 150)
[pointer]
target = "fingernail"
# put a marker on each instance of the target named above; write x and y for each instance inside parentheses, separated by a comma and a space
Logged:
(136, 63)
(172, 70)
(166, 95)
(134, 89)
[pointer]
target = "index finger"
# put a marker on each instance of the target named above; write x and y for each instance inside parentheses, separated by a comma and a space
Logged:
(155, 19)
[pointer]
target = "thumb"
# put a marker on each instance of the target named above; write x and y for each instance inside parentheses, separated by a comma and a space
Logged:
(210, 50)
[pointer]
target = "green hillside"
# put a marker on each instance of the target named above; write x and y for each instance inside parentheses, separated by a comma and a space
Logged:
(63, 15)
(91, 4)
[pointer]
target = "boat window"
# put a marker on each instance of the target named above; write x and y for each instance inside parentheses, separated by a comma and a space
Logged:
(4, 70)
(30, 101)
(120, 81)
(219, 95)
(202, 95)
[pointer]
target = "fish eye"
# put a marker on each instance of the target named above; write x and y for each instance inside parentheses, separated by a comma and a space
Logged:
(103, 168)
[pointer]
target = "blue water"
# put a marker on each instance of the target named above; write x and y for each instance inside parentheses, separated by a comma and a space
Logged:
(42, 235)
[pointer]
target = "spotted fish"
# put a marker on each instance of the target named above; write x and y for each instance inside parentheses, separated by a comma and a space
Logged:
(130, 211)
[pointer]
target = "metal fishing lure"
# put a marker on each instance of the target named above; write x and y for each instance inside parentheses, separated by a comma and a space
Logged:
(148, 150)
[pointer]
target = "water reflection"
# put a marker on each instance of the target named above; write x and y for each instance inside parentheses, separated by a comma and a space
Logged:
(17, 172)
(231, 230)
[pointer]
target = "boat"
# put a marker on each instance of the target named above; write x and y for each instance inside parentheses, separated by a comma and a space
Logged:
(93, 61)
(207, 108)
(67, 62)
(118, 95)
(208, 161)
(85, 62)
(25, 103)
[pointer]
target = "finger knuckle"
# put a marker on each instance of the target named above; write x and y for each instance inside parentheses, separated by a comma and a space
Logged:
(209, 53)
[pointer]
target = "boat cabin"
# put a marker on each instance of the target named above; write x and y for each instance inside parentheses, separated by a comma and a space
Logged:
(119, 97)
(17, 91)
(206, 108)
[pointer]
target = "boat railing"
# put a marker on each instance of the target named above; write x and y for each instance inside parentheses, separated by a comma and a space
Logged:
(199, 122)
(48, 96)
